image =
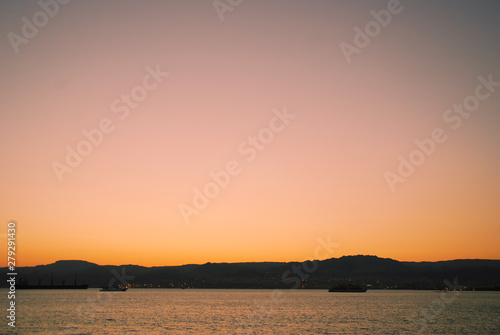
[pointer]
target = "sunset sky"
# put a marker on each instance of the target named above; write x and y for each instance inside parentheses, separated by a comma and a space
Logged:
(175, 91)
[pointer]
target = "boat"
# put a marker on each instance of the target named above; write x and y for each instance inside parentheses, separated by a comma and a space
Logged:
(347, 288)
(51, 287)
(113, 289)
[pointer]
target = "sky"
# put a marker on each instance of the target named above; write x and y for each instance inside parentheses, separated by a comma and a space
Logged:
(175, 132)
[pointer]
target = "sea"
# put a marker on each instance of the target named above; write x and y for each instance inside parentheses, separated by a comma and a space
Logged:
(227, 311)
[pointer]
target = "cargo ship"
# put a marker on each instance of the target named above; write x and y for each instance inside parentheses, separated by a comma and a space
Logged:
(24, 285)
(113, 289)
(347, 288)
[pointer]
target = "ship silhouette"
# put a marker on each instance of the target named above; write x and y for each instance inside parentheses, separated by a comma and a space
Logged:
(347, 288)
(24, 285)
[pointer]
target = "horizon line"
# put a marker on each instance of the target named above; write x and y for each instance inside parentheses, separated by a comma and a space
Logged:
(307, 260)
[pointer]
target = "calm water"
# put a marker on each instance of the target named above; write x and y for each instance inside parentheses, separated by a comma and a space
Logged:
(193, 311)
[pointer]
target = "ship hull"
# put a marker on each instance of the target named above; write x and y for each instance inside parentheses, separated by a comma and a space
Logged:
(51, 287)
(107, 289)
(352, 290)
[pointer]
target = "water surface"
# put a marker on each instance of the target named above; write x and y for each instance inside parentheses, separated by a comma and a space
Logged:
(198, 311)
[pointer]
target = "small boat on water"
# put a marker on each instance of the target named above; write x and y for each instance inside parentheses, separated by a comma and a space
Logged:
(113, 289)
(347, 288)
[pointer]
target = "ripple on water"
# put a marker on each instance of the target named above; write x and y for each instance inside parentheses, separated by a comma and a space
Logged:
(254, 312)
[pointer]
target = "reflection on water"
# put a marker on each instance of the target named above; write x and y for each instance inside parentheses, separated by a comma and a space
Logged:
(195, 311)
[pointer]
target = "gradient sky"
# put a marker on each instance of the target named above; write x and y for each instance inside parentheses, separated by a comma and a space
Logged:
(322, 175)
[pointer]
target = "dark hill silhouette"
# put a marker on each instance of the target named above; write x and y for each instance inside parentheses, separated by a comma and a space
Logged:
(65, 266)
(360, 269)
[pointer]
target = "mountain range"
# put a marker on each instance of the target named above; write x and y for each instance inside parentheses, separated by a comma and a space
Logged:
(370, 271)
